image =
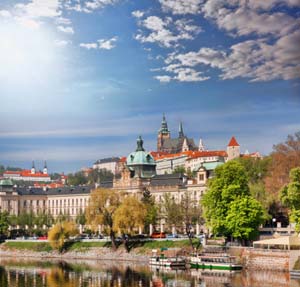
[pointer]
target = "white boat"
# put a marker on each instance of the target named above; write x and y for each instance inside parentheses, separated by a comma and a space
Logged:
(214, 262)
(160, 260)
(172, 262)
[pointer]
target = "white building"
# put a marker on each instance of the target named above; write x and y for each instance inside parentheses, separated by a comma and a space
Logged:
(110, 164)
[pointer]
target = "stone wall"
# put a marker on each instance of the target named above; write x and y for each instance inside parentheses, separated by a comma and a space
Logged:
(254, 258)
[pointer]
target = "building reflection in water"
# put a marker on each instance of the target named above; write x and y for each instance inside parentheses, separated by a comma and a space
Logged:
(99, 273)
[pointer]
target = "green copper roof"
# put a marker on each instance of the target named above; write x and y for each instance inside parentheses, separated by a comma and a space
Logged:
(6, 182)
(164, 126)
(209, 165)
(140, 156)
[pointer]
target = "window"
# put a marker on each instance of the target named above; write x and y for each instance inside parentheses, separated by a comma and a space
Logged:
(201, 177)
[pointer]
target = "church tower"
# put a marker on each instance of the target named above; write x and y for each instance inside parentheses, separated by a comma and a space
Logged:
(233, 149)
(163, 134)
(33, 168)
(45, 170)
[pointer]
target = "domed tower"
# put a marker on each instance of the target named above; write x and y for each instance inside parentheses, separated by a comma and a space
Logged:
(163, 134)
(141, 163)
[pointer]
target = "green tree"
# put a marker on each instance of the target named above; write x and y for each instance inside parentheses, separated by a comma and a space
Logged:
(190, 213)
(101, 209)
(60, 234)
(129, 217)
(4, 223)
(290, 196)
(151, 208)
(179, 169)
(229, 184)
(168, 210)
(244, 216)
(78, 178)
(81, 218)
(100, 175)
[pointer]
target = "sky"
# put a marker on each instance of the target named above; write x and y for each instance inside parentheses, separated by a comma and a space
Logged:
(81, 80)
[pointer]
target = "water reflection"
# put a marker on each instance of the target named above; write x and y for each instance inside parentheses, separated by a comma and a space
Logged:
(25, 273)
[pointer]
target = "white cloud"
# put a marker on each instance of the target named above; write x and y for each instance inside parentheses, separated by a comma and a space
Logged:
(5, 14)
(107, 44)
(89, 45)
(243, 18)
(63, 21)
(137, 14)
(166, 32)
(181, 6)
(163, 79)
(38, 8)
(88, 6)
(61, 43)
(65, 29)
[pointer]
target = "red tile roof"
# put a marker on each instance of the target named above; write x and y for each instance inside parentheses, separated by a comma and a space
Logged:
(26, 173)
(233, 142)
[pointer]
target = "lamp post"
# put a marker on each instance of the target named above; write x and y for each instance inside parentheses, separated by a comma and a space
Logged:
(273, 223)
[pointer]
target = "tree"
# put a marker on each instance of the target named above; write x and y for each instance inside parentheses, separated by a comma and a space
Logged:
(101, 209)
(129, 217)
(4, 223)
(60, 233)
(290, 196)
(169, 210)
(80, 218)
(77, 178)
(179, 169)
(244, 216)
(190, 213)
(100, 175)
(151, 208)
(229, 184)
(284, 157)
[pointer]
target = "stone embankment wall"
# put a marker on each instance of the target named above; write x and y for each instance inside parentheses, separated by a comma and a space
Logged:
(261, 259)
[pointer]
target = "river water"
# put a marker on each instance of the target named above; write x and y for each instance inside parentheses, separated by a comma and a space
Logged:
(35, 273)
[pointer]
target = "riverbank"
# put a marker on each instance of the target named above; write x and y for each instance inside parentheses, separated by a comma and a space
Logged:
(139, 252)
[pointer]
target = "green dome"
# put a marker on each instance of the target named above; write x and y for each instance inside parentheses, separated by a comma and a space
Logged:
(6, 182)
(140, 156)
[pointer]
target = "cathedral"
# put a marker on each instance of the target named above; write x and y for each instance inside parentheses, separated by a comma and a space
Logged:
(173, 145)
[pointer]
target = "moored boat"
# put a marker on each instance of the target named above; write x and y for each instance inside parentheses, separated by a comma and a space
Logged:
(173, 262)
(216, 262)
(166, 261)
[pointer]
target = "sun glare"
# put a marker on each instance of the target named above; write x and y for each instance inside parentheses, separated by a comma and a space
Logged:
(27, 54)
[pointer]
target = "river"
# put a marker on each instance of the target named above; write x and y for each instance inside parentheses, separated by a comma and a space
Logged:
(36, 273)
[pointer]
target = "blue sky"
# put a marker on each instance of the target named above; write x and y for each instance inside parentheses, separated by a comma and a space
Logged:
(80, 80)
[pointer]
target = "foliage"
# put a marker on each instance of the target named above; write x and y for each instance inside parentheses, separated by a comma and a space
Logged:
(256, 169)
(244, 216)
(129, 216)
(151, 208)
(179, 169)
(60, 233)
(284, 157)
(185, 212)
(80, 218)
(78, 178)
(4, 223)
(290, 196)
(101, 209)
(55, 176)
(100, 175)
(229, 185)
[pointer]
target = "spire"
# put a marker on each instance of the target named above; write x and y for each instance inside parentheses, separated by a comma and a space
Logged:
(45, 164)
(33, 164)
(201, 145)
(164, 125)
(139, 144)
(181, 134)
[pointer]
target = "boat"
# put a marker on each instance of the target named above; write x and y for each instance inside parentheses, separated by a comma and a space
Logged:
(166, 261)
(214, 262)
